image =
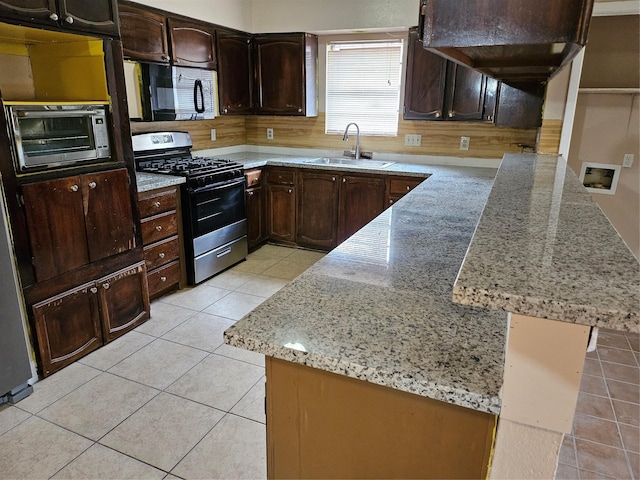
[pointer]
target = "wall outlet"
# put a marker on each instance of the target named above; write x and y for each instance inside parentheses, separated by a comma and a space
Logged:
(464, 143)
(269, 133)
(213, 134)
(627, 160)
(413, 140)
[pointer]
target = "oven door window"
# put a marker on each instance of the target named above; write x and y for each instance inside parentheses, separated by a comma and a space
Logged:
(217, 206)
(55, 135)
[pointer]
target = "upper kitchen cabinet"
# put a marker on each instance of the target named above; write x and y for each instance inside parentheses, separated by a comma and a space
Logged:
(286, 74)
(151, 35)
(515, 41)
(144, 34)
(235, 72)
(192, 44)
(94, 17)
(437, 89)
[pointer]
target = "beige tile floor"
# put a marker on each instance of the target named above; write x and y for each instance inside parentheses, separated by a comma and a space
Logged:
(166, 400)
(170, 400)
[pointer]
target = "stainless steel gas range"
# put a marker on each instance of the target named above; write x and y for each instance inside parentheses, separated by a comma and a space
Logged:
(213, 201)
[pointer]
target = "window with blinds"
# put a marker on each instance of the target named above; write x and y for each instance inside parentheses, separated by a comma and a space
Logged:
(363, 86)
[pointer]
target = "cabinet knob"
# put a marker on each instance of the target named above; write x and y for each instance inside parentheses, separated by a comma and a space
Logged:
(408, 188)
(165, 57)
(390, 202)
(159, 228)
(161, 255)
(299, 110)
(163, 279)
(452, 114)
(255, 180)
(156, 204)
(438, 114)
(225, 110)
(176, 61)
(68, 19)
(333, 179)
(54, 17)
(74, 188)
(251, 194)
(93, 184)
(93, 290)
(344, 180)
(106, 285)
(289, 190)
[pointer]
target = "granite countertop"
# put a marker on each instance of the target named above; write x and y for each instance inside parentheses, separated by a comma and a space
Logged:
(151, 181)
(544, 248)
(378, 308)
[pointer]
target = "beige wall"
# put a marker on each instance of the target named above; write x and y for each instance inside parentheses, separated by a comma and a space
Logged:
(606, 127)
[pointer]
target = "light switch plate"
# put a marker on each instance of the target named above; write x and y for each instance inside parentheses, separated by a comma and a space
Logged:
(627, 160)
(213, 134)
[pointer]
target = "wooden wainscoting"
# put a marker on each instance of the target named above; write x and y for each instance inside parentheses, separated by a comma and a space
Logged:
(549, 140)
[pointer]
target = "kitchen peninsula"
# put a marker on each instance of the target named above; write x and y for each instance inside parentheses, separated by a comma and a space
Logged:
(372, 368)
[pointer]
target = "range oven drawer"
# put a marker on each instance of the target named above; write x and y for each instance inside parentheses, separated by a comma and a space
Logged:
(158, 227)
(216, 260)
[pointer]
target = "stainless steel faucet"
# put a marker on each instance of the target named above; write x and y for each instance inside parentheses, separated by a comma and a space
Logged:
(346, 137)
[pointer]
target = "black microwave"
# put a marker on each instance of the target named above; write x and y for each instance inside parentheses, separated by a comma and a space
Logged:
(58, 135)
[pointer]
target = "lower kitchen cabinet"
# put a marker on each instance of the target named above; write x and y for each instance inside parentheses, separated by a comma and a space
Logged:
(256, 208)
(77, 321)
(361, 200)
(318, 209)
(281, 200)
(160, 223)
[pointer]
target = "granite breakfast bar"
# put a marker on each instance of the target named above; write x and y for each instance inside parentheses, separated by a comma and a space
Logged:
(376, 323)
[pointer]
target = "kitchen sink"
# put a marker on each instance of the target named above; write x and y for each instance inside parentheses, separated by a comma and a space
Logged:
(350, 162)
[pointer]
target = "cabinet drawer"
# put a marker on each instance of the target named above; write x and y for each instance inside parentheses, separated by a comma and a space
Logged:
(254, 178)
(282, 176)
(400, 186)
(158, 227)
(163, 279)
(157, 202)
(162, 252)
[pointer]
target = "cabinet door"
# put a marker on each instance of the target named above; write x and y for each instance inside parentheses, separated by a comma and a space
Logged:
(282, 213)
(67, 327)
(56, 225)
(256, 217)
(280, 74)
(36, 11)
(96, 16)
(519, 108)
(235, 73)
(108, 214)
(465, 93)
(361, 200)
(318, 209)
(425, 84)
(192, 44)
(124, 301)
(144, 35)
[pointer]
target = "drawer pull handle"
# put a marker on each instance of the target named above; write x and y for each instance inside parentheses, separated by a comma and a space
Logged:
(222, 254)
(106, 285)
(156, 204)
(74, 188)
(93, 184)
(161, 255)
(163, 279)
(159, 228)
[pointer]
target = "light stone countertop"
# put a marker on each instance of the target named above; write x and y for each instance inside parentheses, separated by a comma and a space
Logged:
(544, 248)
(378, 308)
(151, 181)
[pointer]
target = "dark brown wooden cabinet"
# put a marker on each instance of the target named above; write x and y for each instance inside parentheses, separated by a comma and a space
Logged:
(256, 208)
(235, 72)
(144, 34)
(193, 44)
(361, 200)
(318, 209)
(67, 327)
(124, 301)
(281, 201)
(96, 16)
(398, 187)
(163, 250)
(437, 89)
(519, 108)
(77, 220)
(286, 74)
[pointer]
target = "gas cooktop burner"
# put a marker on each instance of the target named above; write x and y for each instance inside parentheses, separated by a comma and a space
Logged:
(192, 167)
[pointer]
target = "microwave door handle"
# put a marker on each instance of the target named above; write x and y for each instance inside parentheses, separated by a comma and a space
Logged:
(197, 89)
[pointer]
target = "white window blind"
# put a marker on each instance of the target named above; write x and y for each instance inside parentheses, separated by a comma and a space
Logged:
(363, 86)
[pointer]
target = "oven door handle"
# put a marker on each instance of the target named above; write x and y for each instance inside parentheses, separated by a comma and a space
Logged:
(217, 186)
